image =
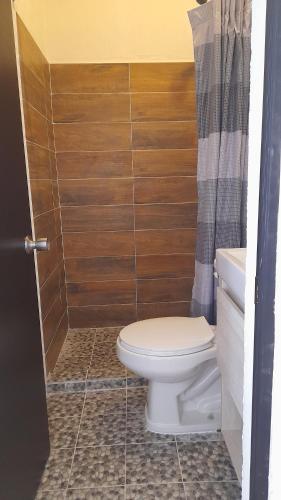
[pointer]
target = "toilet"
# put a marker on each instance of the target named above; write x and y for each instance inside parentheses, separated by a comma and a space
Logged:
(178, 357)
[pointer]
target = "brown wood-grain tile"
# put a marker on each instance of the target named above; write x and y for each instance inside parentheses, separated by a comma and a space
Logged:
(101, 293)
(165, 190)
(165, 162)
(98, 218)
(49, 291)
(166, 106)
(166, 216)
(96, 192)
(48, 261)
(100, 268)
(39, 162)
(42, 196)
(165, 241)
(56, 197)
(164, 135)
(56, 344)
(51, 136)
(69, 108)
(47, 225)
(165, 266)
(162, 309)
(52, 321)
(162, 77)
(89, 78)
(98, 243)
(33, 90)
(92, 136)
(36, 126)
(164, 290)
(102, 316)
(90, 165)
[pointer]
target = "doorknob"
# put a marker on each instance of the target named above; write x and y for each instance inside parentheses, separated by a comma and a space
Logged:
(40, 245)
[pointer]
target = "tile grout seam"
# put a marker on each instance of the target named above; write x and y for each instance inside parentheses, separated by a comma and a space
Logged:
(81, 417)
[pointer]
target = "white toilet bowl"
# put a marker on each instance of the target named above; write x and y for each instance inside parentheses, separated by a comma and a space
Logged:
(178, 357)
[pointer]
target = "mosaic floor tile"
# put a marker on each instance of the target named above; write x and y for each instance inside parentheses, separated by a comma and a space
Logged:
(155, 492)
(55, 387)
(57, 470)
(199, 437)
(76, 386)
(70, 369)
(105, 348)
(213, 491)
(137, 382)
(137, 433)
(106, 369)
(77, 349)
(105, 402)
(50, 495)
(205, 461)
(107, 334)
(100, 465)
(152, 463)
(136, 400)
(105, 383)
(206, 436)
(104, 429)
(77, 333)
(116, 493)
(65, 405)
(63, 431)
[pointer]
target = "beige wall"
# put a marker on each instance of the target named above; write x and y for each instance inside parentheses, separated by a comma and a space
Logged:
(110, 30)
(33, 14)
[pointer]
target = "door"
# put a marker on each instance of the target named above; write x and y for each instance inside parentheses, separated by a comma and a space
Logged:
(24, 440)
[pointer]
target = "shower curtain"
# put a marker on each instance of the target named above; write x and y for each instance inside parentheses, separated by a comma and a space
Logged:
(221, 37)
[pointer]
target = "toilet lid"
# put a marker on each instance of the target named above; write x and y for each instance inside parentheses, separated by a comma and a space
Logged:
(167, 336)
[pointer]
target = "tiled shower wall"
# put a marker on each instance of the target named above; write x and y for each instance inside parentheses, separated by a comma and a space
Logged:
(125, 138)
(35, 78)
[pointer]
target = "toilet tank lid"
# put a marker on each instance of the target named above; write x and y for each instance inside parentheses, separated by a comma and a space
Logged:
(167, 336)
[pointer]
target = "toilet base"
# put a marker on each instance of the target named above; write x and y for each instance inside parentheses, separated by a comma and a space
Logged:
(189, 406)
(196, 422)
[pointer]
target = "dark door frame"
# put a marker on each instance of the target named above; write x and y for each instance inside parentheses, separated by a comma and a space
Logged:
(24, 437)
(266, 256)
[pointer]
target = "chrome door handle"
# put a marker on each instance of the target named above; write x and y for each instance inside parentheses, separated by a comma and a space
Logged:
(41, 245)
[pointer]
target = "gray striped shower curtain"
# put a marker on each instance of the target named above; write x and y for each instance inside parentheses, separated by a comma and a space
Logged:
(221, 37)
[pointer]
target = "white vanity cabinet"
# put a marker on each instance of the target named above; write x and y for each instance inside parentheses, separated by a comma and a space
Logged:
(230, 266)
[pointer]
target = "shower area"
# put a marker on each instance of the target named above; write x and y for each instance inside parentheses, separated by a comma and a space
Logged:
(112, 151)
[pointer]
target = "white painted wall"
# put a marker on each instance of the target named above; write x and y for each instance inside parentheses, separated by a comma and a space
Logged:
(102, 31)
(255, 128)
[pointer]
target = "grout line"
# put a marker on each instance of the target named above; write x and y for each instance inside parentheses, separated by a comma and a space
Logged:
(81, 417)
(60, 204)
(126, 122)
(130, 303)
(184, 92)
(118, 231)
(182, 482)
(124, 177)
(141, 150)
(126, 204)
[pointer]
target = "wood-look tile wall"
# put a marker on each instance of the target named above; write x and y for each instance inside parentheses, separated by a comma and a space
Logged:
(126, 144)
(35, 78)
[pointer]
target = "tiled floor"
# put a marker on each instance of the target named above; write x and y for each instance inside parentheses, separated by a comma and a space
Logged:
(100, 448)
(88, 361)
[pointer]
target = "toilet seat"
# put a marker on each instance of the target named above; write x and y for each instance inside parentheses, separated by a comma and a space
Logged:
(172, 336)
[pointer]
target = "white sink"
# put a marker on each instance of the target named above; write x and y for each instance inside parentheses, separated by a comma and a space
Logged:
(230, 266)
